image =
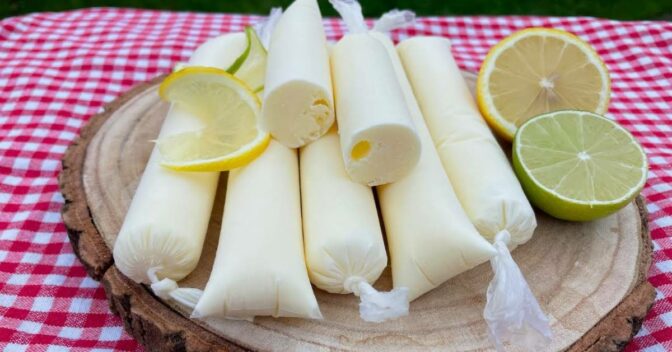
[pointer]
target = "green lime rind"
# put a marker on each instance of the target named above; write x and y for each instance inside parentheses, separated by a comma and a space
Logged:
(253, 69)
(559, 205)
(235, 66)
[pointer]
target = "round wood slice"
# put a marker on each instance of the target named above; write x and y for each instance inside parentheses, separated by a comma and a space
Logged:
(590, 278)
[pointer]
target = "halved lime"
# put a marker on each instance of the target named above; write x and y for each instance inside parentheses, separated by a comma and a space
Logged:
(577, 165)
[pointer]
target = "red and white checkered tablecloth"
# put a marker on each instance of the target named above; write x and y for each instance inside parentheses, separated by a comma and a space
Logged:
(57, 69)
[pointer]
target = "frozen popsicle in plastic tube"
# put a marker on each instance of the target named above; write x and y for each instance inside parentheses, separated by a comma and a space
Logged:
(511, 317)
(484, 183)
(378, 140)
(345, 252)
(259, 268)
(298, 103)
(430, 237)
(475, 163)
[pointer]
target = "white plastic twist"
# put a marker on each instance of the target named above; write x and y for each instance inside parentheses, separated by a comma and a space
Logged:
(351, 13)
(265, 27)
(168, 289)
(512, 312)
(164, 287)
(394, 19)
(376, 306)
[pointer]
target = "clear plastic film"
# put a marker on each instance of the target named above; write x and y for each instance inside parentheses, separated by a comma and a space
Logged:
(377, 306)
(351, 13)
(394, 19)
(264, 28)
(168, 289)
(512, 312)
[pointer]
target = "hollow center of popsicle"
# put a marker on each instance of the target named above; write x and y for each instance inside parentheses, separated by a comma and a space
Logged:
(321, 102)
(360, 150)
(320, 109)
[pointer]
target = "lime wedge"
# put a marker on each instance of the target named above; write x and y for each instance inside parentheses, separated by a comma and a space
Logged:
(250, 66)
(577, 165)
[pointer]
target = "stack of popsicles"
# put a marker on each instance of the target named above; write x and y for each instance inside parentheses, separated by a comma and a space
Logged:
(406, 124)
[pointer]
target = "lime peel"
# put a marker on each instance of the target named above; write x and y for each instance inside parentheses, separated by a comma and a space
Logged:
(243, 56)
(252, 69)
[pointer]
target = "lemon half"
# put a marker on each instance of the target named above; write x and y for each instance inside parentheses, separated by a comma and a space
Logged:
(539, 70)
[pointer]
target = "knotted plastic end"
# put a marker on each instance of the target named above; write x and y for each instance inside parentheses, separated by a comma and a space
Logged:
(351, 13)
(376, 306)
(512, 312)
(168, 289)
(394, 19)
(264, 28)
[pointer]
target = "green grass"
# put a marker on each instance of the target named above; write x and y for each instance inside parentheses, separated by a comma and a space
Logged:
(617, 9)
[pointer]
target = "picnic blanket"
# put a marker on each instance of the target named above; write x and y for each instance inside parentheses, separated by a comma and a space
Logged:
(58, 69)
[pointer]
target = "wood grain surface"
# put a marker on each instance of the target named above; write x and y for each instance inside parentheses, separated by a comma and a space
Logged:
(590, 278)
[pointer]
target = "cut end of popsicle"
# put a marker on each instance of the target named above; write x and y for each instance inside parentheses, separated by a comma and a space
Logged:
(297, 113)
(381, 154)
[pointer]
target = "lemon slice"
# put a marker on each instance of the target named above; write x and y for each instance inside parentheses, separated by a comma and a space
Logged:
(539, 70)
(578, 165)
(229, 111)
(250, 66)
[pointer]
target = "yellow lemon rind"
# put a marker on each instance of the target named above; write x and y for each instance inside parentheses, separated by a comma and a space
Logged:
(173, 78)
(239, 158)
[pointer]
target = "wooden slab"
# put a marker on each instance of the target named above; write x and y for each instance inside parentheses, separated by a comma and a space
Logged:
(590, 278)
